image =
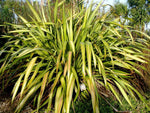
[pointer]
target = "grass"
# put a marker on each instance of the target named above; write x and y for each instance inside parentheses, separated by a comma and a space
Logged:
(85, 106)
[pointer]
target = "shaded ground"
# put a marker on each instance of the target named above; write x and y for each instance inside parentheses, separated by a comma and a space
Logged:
(7, 107)
(82, 106)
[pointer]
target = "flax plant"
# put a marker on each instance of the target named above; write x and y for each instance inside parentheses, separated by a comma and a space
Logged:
(47, 59)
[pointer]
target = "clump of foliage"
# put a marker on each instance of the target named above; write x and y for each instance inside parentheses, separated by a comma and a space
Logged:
(47, 59)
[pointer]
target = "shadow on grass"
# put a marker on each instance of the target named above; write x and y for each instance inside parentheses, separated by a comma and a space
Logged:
(85, 106)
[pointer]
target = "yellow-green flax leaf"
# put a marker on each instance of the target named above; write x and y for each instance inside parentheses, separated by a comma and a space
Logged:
(63, 83)
(58, 61)
(143, 33)
(27, 51)
(134, 57)
(52, 91)
(69, 62)
(58, 100)
(114, 92)
(56, 81)
(27, 73)
(83, 58)
(26, 98)
(101, 69)
(19, 31)
(59, 39)
(70, 29)
(25, 21)
(61, 3)
(69, 92)
(93, 15)
(43, 14)
(130, 34)
(109, 50)
(65, 69)
(88, 50)
(94, 96)
(72, 46)
(138, 93)
(35, 73)
(44, 81)
(51, 74)
(123, 93)
(94, 58)
(16, 87)
(49, 102)
(77, 81)
(33, 11)
(55, 11)
(64, 25)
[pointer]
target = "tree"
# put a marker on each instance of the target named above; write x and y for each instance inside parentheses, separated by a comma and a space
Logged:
(120, 10)
(140, 12)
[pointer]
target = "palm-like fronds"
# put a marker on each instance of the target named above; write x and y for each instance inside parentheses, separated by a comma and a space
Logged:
(50, 59)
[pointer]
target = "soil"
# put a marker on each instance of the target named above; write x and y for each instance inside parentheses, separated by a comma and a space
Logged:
(7, 107)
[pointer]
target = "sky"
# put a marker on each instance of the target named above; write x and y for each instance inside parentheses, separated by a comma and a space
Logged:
(111, 2)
